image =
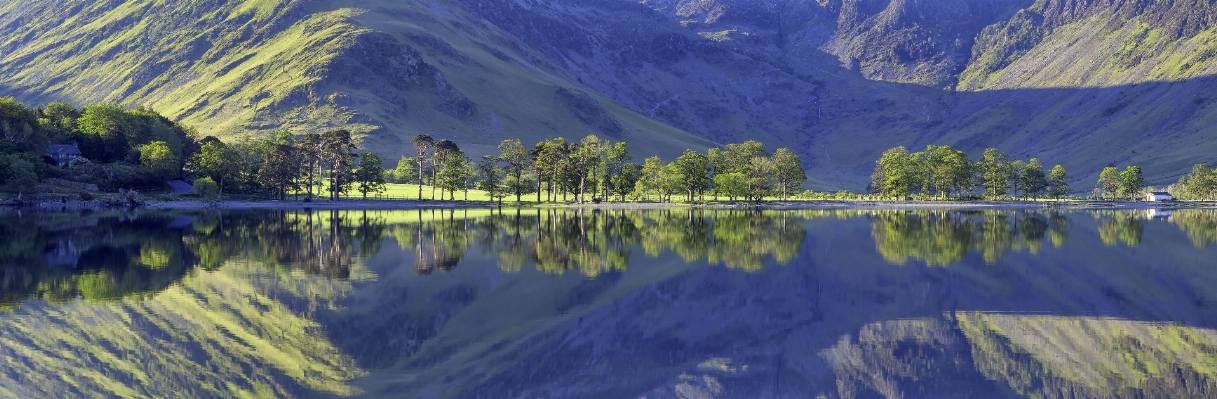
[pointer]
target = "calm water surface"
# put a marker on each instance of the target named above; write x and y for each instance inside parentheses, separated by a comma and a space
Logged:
(613, 304)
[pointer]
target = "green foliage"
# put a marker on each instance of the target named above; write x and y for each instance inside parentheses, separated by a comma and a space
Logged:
(371, 175)
(206, 188)
(404, 173)
(945, 170)
(1132, 182)
(217, 161)
(279, 170)
(789, 172)
(1058, 182)
(159, 157)
(995, 171)
(17, 174)
(1032, 181)
(693, 170)
(337, 153)
(518, 159)
(1109, 183)
(1199, 185)
(732, 185)
(896, 174)
(491, 179)
(452, 174)
(761, 178)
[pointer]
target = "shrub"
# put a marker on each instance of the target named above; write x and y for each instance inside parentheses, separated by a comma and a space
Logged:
(206, 188)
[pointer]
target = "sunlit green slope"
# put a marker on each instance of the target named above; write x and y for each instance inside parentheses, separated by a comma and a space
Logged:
(379, 69)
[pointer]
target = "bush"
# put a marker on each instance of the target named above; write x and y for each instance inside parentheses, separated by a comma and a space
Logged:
(206, 188)
(17, 174)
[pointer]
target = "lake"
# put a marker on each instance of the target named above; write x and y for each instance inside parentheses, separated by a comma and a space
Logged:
(546, 303)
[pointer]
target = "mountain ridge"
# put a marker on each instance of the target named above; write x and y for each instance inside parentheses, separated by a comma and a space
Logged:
(838, 81)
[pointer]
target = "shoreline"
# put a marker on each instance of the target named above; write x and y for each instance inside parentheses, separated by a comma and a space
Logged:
(355, 204)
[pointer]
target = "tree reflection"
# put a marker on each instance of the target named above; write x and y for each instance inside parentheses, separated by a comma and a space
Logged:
(1200, 226)
(59, 258)
(1121, 227)
(595, 242)
(942, 238)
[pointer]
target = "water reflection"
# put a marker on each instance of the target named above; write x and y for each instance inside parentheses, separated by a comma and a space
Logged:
(1200, 226)
(941, 238)
(620, 303)
(59, 258)
(1011, 355)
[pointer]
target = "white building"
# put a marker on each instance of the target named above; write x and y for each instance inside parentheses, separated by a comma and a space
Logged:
(1159, 196)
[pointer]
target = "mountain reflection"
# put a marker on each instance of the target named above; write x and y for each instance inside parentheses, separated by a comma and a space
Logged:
(941, 238)
(1027, 356)
(109, 256)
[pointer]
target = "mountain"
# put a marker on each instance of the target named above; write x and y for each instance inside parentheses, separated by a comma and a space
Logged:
(1084, 83)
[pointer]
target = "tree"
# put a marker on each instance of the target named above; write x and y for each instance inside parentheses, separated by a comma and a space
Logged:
(649, 176)
(404, 172)
(718, 166)
(452, 174)
(1199, 185)
(370, 176)
(492, 178)
(738, 157)
(309, 150)
(1017, 167)
(516, 156)
(617, 156)
(17, 174)
(279, 170)
(733, 185)
(159, 157)
(948, 170)
(445, 151)
(789, 171)
(583, 160)
(1109, 182)
(215, 160)
(106, 128)
(1032, 181)
(624, 182)
(337, 147)
(1131, 182)
(995, 172)
(1058, 182)
(760, 178)
(422, 143)
(894, 175)
(694, 170)
(670, 181)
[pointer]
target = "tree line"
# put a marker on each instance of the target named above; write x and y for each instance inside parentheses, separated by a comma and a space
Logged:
(1199, 185)
(327, 165)
(120, 147)
(946, 172)
(555, 169)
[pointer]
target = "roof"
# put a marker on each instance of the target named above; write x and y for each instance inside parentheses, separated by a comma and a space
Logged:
(69, 149)
(1160, 193)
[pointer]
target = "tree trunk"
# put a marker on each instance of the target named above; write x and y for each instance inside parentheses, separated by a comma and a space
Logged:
(582, 183)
